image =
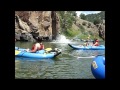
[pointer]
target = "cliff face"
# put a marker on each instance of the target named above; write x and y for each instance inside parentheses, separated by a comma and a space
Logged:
(34, 25)
(37, 25)
(101, 29)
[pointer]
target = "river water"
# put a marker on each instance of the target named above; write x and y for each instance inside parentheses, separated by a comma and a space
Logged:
(68, 65)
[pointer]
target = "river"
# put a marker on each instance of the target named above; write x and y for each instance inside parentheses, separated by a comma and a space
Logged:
(67, 65)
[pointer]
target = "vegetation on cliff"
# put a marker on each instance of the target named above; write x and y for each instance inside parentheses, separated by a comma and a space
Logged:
(94, 18)
(83, 26)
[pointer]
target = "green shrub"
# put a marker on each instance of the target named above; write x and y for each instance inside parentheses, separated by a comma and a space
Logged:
(84, 23)
(96, 21)
(89, 25)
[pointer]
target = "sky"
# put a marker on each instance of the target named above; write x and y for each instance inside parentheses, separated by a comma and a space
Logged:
(86, 12)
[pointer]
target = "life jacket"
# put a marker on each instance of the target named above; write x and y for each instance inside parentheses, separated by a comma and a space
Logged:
(97, 40)
(38, 46)
(35, 47)
(97, 44)
(41, 47)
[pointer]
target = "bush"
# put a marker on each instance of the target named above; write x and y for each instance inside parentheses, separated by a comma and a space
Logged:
(96, 21)
(89, 24)
(84, 23)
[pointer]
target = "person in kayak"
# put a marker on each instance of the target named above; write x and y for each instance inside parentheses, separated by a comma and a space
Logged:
(85, 44)
(36, 47)
(96, 42)
(87, 41)
(88, 38)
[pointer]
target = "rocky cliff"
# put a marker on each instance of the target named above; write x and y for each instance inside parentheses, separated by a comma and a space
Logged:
(36, 25)
(45, 25)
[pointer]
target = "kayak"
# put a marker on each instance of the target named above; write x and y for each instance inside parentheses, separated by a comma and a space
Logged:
(41, 54)
(100, 47)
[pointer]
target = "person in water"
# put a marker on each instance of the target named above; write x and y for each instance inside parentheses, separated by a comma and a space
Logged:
(37, 46)
(96, 42)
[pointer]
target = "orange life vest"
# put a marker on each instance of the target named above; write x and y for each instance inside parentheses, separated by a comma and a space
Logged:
(97, 44)
(34, 46)
(41, 47)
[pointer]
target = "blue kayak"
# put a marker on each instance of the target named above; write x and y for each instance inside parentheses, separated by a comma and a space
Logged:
(41, 54)
(100, 47)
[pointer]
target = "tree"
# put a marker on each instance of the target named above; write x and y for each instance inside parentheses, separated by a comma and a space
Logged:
(82, 16)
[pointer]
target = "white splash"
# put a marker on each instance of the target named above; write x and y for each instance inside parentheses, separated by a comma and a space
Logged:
(62, 39)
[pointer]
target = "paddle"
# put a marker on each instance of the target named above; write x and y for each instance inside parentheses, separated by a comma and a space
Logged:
(17, 52)
(48, 49)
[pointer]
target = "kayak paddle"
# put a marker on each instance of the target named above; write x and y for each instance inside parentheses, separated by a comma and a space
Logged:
(17, 52)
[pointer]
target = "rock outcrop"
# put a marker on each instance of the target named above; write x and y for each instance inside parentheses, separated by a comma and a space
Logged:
(101, 29)
(36, 25)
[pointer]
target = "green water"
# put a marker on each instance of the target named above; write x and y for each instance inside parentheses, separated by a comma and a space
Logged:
(65, 66)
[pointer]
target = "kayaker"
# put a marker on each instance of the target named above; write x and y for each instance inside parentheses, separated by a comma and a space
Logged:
(87, 41)
(88, 38)
(84, 44)
(96, 42)
(36, 47)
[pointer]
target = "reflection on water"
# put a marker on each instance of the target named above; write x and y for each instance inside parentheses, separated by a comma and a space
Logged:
(65, 66)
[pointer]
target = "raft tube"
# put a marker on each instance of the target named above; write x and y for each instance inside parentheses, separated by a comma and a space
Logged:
(98, 67)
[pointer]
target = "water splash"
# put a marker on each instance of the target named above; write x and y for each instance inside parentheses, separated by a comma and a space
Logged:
(61, 39)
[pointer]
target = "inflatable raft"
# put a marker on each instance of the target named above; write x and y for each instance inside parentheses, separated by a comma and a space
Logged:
(98, 67)
(100, 47)
(41, 54)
